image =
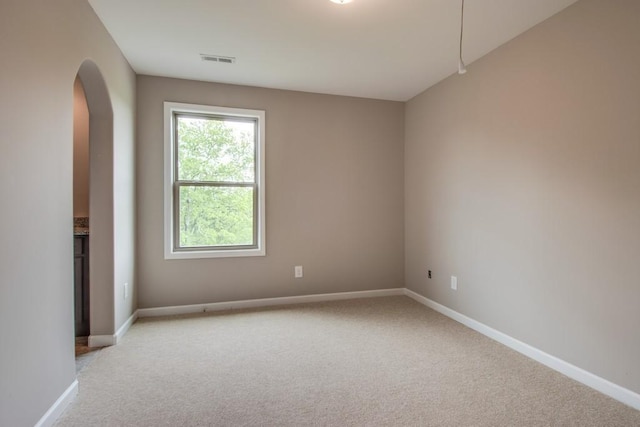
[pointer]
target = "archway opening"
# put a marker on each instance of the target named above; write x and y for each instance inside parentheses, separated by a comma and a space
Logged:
(100, 214)
(81, 295)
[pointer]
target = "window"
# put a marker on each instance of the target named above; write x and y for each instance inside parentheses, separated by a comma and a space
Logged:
(214, 182)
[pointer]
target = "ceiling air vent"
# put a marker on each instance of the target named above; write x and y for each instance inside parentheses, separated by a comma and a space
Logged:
(217, 58)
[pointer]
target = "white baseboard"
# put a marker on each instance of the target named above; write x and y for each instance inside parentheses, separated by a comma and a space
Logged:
(50, 417)
(125, 327)
(107, 340)
(264, 302)
(101, 340)
(615, 391)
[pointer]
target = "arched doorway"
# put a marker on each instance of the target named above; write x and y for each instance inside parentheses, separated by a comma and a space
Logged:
(81, 294)
(101, 207)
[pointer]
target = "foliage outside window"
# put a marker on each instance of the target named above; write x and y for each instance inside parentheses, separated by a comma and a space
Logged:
(214, 177)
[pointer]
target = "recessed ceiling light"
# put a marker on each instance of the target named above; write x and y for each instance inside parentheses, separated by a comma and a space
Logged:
(341, 1)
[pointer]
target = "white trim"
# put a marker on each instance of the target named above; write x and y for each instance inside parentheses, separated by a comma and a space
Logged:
(108, 340)
(50, 417)
(102, 340)
(125, 327)
(265, 302)
(168, 180)
(169, 109)
(615, 391)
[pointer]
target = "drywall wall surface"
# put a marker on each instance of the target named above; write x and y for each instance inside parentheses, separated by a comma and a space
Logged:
(43, 44)
(80, 151)
(124, 204)
(334, 197)
(522, 178)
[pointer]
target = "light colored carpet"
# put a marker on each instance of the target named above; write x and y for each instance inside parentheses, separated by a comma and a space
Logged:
(369, 362)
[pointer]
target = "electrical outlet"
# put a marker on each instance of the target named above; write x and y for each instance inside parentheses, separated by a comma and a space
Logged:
(454, 283)
(297, 271)
(126, 290)
(429, 274)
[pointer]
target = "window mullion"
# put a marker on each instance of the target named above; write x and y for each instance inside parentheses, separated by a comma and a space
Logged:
(215, 183)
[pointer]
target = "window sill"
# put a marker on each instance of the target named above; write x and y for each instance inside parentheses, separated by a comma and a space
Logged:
(240, 253)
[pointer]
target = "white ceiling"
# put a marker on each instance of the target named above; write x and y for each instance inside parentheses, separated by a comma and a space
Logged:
(368, 48)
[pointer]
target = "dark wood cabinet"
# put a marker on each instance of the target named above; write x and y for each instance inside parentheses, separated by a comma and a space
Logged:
(81, 284)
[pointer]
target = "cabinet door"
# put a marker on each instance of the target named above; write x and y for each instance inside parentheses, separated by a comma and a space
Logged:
(81, 286)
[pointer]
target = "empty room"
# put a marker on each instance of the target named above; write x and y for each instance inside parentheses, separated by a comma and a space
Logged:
(320, 212)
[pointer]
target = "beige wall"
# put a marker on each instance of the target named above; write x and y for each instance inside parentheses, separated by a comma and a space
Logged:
(80, 151)
(43, 44)
(333, 188)
(523, 179)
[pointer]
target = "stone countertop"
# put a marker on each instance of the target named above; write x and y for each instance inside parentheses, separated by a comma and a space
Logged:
(81, 226)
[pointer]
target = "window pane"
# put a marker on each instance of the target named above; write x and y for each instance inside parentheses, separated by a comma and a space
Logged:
(216, 149)
(216, 216)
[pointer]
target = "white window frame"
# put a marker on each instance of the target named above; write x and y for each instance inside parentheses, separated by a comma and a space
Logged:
(171, 108)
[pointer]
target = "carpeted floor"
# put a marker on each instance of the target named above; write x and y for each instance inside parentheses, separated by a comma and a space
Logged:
(369, 362)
